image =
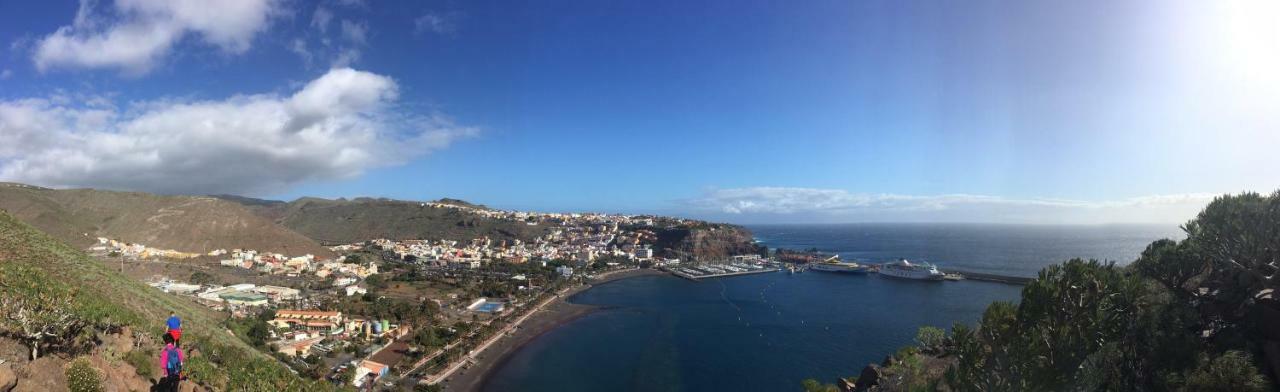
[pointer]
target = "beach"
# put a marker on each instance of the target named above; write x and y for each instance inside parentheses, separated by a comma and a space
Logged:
(555, 314)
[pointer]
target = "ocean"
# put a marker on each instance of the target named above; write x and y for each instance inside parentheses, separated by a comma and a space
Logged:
(768, 332)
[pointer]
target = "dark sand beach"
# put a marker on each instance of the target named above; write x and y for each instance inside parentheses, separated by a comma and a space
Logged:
(555, 314)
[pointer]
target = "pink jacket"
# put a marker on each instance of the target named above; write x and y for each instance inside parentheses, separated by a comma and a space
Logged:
(164, 357)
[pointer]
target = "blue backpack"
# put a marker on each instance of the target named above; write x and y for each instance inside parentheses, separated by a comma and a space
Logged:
(174, 364)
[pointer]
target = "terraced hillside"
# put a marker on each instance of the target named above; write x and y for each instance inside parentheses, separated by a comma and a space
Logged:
(184, 223)
(111, 320)
(345, 221)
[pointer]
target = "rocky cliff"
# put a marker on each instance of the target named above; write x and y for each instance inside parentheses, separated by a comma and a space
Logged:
(705, 242)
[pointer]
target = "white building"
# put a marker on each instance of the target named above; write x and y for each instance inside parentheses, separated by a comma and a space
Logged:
(565, 271)
(353, 290)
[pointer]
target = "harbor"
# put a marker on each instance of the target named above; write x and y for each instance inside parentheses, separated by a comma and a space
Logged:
(708, 271)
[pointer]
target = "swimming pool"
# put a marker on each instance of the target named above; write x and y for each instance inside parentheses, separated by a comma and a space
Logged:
(490, 307)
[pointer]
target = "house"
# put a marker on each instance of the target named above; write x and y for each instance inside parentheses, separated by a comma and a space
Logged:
(565, 271)
(334, 316)
(310, 320)
(353, 290)
(378, 364)
(297, 348)
(339, 282)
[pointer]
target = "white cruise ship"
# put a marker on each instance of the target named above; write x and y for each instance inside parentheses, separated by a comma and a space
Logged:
(906, 270)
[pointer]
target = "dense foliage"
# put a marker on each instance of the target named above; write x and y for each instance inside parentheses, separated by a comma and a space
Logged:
(1187, 315)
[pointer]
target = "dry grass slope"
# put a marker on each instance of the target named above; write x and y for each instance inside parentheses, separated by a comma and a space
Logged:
(183, 223)
(106, 297)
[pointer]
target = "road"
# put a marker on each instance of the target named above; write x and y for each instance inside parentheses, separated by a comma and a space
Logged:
(470, 356)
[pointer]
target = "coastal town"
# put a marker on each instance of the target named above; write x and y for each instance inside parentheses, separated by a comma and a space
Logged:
(404, 313)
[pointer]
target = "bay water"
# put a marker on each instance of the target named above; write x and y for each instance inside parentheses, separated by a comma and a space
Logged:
(768, 332)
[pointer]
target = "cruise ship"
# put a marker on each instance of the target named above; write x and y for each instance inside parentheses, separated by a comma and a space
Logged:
(834, 265)
(906, 270)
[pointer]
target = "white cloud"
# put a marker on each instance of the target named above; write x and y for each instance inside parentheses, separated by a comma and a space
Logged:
(299, 47)
(320, 19)
(355, 32)
(337, 126)
(346, 58)
(353, 3)
(835, 205)
(6, 74)
(434, 23)
(141, 32)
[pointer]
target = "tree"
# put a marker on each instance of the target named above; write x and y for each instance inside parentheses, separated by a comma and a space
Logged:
(38, 314)
(426, 337)
(1232, 371)
(427, 388)
(1170, 263)
(201, 277)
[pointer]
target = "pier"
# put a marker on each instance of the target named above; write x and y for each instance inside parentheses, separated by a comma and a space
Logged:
(1006, 279)
(720, 275)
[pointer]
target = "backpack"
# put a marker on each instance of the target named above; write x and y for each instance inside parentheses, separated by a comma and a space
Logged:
(174, 364)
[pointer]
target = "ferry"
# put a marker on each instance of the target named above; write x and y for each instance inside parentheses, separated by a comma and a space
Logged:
(906, 270)
(833, 264)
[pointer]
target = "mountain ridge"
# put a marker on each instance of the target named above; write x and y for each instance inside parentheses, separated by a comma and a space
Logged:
(194, 224)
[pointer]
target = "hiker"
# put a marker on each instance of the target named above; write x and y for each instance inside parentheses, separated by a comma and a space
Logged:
(171, 360)
(175, 329)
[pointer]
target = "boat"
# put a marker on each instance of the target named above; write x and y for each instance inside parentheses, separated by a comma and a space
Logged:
(904, 269)
(833, 264)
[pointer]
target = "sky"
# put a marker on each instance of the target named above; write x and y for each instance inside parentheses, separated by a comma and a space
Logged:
(739, 111)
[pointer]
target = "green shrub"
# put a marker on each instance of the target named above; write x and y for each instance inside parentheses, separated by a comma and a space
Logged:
(199, 370)
(141, 360)
(1233, 371)
(906, 352)
(812, 385)
(931, 338)
(82, 377)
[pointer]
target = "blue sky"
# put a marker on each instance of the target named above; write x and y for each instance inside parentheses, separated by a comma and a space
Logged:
(821, 111)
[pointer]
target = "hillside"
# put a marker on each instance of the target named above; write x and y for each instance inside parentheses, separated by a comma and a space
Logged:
(111, 321)
(182, 223)
(345, 221)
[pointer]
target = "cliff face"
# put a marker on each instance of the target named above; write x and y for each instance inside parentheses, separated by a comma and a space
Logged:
(705, 243)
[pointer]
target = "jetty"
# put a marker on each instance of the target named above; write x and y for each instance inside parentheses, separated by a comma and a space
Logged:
(696, 273)
(1006, 279)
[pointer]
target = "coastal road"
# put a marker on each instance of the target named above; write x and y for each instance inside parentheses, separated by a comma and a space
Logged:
(478, 350)
(470, 357)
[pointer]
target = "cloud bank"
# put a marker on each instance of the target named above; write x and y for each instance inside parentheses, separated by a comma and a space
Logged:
(139, 33)
(781, 204)
(337, 126)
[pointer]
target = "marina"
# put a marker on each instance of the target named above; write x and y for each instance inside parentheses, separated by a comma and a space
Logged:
(707, 271)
